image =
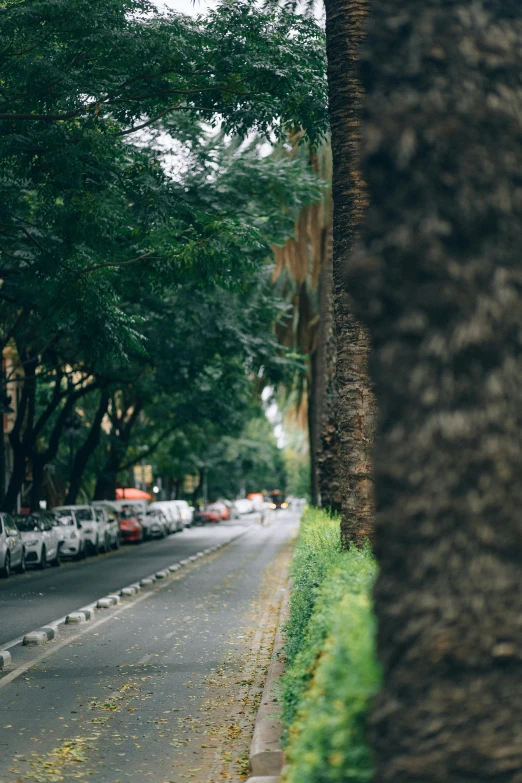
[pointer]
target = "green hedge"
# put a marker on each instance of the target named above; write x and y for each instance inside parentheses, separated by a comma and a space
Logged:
(332, 671)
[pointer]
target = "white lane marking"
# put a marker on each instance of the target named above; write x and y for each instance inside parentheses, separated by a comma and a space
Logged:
(145, 658)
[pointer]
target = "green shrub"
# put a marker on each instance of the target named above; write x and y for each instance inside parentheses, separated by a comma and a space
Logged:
(332, 671)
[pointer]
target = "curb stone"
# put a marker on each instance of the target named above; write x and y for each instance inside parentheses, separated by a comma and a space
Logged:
(264, 779)
(104, 603)
(88, 611)
(266, 754)
(5, 660)
(51, 631)
(147, 581)
(33, 638)
(75, 618)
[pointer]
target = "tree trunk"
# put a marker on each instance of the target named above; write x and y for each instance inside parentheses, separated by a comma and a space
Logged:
(85, 451)
(314, 413)
(329, 473)
(438, 280)
(345, 23)
(122, 430)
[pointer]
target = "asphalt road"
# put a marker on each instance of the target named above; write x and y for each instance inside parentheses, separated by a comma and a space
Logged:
(28, 601)
(147, 694)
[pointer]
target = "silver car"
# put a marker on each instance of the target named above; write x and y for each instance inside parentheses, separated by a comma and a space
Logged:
(12, 552)
(40, 539)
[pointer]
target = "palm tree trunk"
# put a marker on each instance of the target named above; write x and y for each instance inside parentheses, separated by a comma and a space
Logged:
(345, 26)
(328, 458)
(438, 281)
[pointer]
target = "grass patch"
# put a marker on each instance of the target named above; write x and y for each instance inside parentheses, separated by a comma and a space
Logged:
(332, 672)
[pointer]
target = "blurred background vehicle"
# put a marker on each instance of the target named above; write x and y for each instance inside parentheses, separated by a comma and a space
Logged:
(40, 539)
(154, 524)
(186, 511)
(277, 500)
(244, 506)
(94, 529)
(171, 512)
(108, 518)
(12, 551)
(130, 528)
(222, 509)
(258, 501)
(205, 515)
(73, 539)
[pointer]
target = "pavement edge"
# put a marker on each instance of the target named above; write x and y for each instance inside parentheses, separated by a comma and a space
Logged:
(266, 754)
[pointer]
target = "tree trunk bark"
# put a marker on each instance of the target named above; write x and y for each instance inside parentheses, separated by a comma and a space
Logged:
(329, 472)
(87, 448)
(438, 281)
(314, 412)
(345, 27)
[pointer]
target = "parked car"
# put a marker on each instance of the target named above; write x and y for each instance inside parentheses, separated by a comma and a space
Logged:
(12, 550)
(108, 518)
(207, 515)
(221, 508)
(186, 511)
(94, 530)
(40, 539)
(73, 543)
(244, 506)
(154, 524)
(172, 513)
(233, 512)
(130, 528)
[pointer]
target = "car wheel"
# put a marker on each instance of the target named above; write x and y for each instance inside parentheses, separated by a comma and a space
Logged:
(6, 570)
(43, 559)
(117, 542)
(58, 559)
(22, 567)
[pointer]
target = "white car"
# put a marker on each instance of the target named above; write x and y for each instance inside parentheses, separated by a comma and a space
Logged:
(154, 524)
(186, 511)
(94, 530)
(244, 506)
(108, 519)
(73, 539)
(40, 539)
(12, 552)
(172, 513)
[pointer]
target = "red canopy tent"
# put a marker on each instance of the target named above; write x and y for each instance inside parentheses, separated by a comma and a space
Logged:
(130, 493)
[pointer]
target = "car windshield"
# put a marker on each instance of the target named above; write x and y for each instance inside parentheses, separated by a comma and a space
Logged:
(126, 513)
(26, 524)
(85, 515)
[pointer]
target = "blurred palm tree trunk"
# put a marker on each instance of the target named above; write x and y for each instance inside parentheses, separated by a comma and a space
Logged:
(328, 458)
(439, 283)
(345, 27)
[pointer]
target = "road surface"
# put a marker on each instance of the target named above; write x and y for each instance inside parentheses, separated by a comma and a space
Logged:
(162, 689)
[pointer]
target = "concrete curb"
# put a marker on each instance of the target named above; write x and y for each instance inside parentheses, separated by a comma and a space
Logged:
(264, 779)
(266, 754)
(5, 660)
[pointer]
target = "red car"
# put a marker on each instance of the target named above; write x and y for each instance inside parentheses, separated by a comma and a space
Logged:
(209, 515)
(130, 528)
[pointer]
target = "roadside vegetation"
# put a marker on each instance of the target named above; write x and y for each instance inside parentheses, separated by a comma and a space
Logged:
(332, 672)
